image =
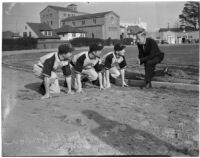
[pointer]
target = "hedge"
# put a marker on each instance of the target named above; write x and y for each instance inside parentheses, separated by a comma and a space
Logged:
(79, 42)
(19, 44)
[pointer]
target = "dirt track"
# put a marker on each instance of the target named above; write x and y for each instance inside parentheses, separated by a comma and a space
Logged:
(117, 121)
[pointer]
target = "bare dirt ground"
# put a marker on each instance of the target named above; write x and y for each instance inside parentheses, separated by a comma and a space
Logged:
(117, 121)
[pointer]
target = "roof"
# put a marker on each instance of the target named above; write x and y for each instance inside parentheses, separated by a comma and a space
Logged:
(176, 29)
(88, 16)
(57, 8)
(68, 29)
(169, 29)
(72, 5)
(38, 27)
(133, 29)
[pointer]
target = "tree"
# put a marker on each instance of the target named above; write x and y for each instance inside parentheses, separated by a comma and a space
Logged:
(176, 24)
(190, 15)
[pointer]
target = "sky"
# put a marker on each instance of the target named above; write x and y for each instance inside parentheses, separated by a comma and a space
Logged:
(156, 14)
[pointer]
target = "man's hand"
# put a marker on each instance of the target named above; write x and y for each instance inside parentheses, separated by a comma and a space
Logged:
(138, 61)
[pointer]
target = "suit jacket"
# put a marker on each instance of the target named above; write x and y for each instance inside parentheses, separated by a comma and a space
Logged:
(149, 50)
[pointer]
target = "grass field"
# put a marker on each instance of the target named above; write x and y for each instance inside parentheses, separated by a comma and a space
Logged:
(183, 57)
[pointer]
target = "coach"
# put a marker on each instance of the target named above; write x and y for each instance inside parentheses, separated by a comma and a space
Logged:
(149, 55)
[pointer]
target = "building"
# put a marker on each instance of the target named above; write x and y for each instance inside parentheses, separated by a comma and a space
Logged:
(102, 25)
(123, 32)
(178, 35)
(10, 35)
(67, 32)
(52, 15)
(138, 22)
(40, 31)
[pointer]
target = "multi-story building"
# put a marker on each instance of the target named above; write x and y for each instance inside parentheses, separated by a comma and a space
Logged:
(52, 15)
(102, 25)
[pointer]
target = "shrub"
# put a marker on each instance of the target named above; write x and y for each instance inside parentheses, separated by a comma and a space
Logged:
(127, 41)
(79, 42)
(19, 44)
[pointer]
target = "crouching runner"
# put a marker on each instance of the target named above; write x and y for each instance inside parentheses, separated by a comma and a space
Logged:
(48, 65)
(111, 61)
(87, 63)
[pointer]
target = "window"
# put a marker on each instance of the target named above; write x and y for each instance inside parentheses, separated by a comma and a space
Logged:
(74, 23)
(45, 33)
(49, 33)
(24, 34)
(50, 15)
(94, 21)
(25, 27)
(83, 22)
(51, 22)
(82, 35)
(29, 34)
(69, 15)
(64, 14)
(73, 34)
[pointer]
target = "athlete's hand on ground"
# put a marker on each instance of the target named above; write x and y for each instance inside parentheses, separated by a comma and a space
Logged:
(70, 92)
(108, 86)
(101, 88)
(79, 91)
(46, 96)
(124, 85)
(138, 61)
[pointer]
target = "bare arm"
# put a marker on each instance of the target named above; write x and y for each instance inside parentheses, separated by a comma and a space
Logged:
(46, 86)
(78, 77)
(100, 80)
(108, 79)
(122, 71)
(68, 80)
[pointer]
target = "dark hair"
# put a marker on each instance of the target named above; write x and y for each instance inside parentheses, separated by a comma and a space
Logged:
(119, 47)
(65, 48)
(95, 47)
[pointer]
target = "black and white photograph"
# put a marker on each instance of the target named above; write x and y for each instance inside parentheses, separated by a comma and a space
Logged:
(100, 78)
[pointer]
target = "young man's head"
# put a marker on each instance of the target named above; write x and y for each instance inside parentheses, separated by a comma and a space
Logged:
(119, 49)
(65, 51)
(141, 36)
(95, 50)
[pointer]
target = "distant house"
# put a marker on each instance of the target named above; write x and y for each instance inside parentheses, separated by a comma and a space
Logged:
(52, 15)
(102, 25)
(10, 35)
(123, 32)
(178, 35)
(40, 31)
(67, 32)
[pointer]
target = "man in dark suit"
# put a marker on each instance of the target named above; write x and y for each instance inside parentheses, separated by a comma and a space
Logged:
(149, 55)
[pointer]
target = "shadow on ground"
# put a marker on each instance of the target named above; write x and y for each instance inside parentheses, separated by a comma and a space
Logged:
(35, 87)
(130, 141)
